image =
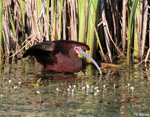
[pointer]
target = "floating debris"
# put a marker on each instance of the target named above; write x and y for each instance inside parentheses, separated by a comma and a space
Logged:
(114, 86)
(132, 88)
(9, 81)
(97, 91)
(87, 86)
(68, 89)
(104, 86)
(19, 83)
(70, 86)
(74, 86)
(95, 88)
(95, 94)
(57, 89)
(72, 90)
(128, 84)
(83, 88)
(38, 92)
(15, 87)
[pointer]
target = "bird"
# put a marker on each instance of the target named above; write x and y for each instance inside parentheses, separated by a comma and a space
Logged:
(60, 55)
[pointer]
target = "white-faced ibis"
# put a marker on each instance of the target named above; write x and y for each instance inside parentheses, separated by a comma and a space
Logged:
(61, 56)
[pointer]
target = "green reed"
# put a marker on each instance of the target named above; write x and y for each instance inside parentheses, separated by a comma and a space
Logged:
(92, 15)
(82, 20)
(130, 28)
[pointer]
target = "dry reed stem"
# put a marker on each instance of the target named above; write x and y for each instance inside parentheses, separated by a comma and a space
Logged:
(105, 31)
(145, 12)
(28, 41)
(37, 33)
(124, 24)
(73, 22)
(64, 20)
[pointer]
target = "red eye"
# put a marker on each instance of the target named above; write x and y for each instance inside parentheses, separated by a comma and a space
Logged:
(77, 49)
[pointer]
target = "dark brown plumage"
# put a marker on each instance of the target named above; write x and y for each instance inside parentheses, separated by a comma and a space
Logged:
(61, 56)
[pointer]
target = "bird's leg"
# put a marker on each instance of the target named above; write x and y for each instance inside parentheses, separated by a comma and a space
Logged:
(100, 77)
(83, 75)
(80, 74)
(43, 69)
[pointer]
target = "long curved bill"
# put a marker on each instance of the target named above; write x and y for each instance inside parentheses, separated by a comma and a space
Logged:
(91, 59)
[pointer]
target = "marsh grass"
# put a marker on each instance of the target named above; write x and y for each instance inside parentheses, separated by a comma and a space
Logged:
(117, 29)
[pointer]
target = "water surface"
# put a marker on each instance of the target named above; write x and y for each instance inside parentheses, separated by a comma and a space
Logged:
(26, 91)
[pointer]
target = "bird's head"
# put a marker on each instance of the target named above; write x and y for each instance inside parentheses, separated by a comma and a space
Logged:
(77, 49)
(80, 51)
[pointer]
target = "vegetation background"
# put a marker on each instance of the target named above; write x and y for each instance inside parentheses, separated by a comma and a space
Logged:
(115, 30)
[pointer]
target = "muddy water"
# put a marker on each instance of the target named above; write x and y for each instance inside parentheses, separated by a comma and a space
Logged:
(26, 91)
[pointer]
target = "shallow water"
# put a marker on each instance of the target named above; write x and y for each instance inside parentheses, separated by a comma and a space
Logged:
(25, 91)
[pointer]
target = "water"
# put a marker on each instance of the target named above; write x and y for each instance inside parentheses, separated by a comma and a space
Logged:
(25, 91)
